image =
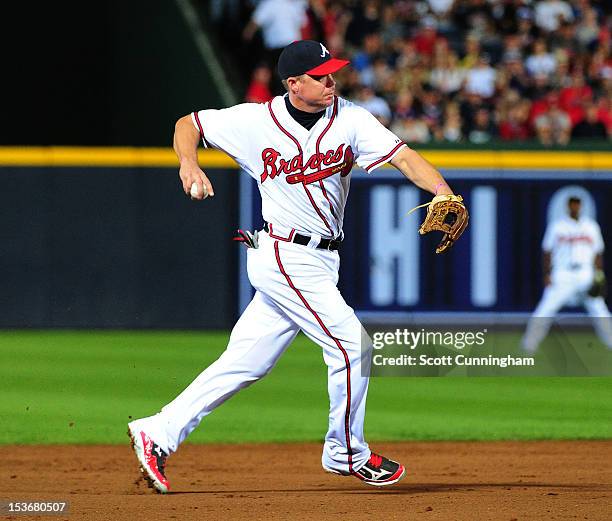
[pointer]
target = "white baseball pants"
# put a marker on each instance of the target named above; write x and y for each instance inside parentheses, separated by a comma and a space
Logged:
(295, 290)
(567, 287)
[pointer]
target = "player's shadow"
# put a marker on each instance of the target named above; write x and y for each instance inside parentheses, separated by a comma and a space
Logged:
(424, 488)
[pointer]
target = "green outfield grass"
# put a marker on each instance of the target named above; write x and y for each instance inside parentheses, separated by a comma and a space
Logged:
(83, 387)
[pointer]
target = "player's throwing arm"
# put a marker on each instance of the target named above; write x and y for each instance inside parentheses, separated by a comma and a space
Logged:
(193, 178)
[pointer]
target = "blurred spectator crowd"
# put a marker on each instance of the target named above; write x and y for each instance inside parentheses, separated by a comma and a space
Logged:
(453, 70)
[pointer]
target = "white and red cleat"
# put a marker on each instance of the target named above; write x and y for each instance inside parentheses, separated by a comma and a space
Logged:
(152, 459)
(378, 471)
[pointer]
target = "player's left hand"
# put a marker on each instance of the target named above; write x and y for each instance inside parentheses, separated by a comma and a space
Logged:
(599, 286)
(446, 214)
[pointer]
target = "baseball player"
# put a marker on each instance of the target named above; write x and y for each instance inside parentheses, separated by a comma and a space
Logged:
(300, 149)
(573, 256)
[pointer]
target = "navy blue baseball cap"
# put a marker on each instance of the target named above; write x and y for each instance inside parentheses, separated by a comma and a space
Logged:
(307, 57)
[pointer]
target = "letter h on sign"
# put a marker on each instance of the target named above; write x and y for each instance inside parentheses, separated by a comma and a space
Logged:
(393, 239)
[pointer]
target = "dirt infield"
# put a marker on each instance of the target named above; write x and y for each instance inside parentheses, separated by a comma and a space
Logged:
(445, 481)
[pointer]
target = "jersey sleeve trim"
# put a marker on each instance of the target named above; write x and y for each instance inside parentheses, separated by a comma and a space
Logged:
(386, 158)
(196, 121)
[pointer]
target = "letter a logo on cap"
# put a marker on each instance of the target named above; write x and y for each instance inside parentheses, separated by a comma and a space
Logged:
(307, 57)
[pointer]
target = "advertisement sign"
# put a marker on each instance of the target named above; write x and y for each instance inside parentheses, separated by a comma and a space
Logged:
(389, 272)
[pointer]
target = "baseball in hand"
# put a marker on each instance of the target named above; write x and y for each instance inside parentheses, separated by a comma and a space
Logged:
(194, 191)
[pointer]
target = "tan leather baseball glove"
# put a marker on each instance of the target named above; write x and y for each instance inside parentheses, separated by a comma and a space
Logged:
(446, 214)
(599, 286)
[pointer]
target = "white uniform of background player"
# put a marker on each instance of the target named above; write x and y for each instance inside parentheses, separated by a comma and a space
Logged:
(303, 178)
(573, 249)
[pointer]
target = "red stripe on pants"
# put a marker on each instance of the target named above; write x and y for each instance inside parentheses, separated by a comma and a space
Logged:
(347, 430)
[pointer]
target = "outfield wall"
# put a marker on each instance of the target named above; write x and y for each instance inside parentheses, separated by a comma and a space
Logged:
(105, 237)
(113, 242)
(391, 274)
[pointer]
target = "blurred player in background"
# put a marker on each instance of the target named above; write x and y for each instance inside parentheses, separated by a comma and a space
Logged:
(573, 275)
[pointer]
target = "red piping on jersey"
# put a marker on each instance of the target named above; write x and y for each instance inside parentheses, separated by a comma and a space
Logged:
(347, 414)
(197, 118)
(331, 120)
(301, 152)
(331, 208)
(385, 158)
(314, 205)
(288, 239)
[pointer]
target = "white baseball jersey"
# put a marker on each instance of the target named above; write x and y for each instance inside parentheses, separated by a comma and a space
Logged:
(574, 244)
(303, 175)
